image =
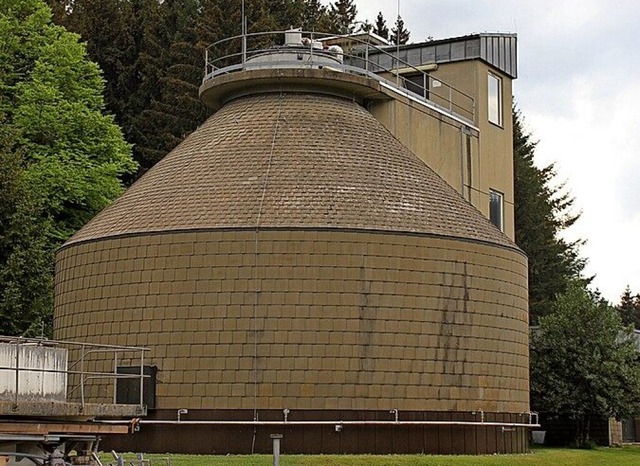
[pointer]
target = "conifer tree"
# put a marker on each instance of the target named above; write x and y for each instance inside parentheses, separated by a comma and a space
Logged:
(316, 17)
(366, 26)
(106, 29)
(174, 70)
(287, 13)
(60, 9)
(629, 308)
(399, 34)
(380, 27)
(343, 15)
(542, 212)
(190, 28)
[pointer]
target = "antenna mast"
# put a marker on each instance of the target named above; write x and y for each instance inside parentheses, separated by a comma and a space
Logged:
(244, 35)
(397, 46)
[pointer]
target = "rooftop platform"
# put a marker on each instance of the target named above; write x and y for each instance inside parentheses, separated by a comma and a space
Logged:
(315, 62)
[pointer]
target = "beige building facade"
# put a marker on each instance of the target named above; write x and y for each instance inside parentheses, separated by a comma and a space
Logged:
(471, 78)
(316, 260)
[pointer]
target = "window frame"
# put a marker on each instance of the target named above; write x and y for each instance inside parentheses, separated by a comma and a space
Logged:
(498, 118)
(422, 89)
(500, 221)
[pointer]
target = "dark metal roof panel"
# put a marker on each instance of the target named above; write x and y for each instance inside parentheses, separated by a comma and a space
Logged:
(498, 50)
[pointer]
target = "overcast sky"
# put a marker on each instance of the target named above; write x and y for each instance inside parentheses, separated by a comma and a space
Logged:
(579, 91)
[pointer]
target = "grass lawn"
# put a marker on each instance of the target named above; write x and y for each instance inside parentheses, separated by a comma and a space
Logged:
(540, 456)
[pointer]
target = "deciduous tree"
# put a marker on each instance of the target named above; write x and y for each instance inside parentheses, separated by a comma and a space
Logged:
(584, 362)
(62, 157)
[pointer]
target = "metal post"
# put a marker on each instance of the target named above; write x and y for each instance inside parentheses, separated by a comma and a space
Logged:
(425, 85)
(115, 376)
(119, 459)
(398, 47)
(276, 448)
(82, 377)
(366, 56)
(244, 35)
(244, 41)
(141, 380)
(15, 400)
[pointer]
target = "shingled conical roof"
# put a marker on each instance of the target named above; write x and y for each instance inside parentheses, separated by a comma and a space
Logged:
(292, 160)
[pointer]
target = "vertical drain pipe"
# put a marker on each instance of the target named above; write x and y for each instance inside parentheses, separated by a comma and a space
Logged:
(276, 448)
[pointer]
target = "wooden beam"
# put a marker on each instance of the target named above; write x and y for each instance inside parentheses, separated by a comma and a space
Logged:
(46, 428)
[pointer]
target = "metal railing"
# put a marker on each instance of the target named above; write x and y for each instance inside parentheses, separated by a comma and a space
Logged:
(82, 365)
(238, 52)
(528, 419)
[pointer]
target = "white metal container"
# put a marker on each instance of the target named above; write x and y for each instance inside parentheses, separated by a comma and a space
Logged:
(41, 373)
(293, 37)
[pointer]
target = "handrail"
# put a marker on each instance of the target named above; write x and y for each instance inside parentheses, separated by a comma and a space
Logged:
(231, 55)
(528, 421)
(56, 343)
(82, 370)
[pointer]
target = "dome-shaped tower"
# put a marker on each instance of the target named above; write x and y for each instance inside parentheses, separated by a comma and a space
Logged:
(291, 261)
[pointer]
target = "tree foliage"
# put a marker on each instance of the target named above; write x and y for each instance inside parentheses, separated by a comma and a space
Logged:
(26, 258)
(380, 26)
(365, 26)
(399, 33)
(584, 362)
(343, 16)
(130, 40)
(62, 157)
(542, 212)
(153, 55)
(172, 62)
(629, 308)
(310, 15)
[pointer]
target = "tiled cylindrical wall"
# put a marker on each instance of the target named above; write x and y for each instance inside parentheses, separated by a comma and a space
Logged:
(307, 320)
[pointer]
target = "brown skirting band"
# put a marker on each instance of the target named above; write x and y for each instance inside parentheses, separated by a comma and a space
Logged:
(337, 432)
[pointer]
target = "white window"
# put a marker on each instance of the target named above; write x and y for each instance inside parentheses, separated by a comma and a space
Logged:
(496, 209)
(495, 99)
